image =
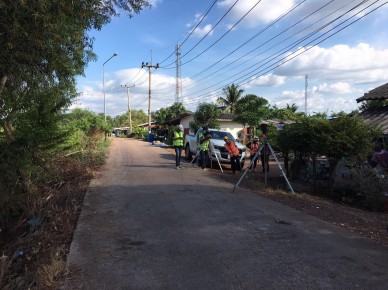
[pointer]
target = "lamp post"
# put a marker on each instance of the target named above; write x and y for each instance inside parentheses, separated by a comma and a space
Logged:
(103, 81)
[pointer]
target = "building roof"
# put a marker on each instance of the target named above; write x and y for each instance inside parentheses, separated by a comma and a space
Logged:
(225, 117)
(146, 124)
(379, 93)
(177, 120)
(377, 116)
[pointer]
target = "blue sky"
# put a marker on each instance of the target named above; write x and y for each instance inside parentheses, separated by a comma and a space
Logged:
(266, 47)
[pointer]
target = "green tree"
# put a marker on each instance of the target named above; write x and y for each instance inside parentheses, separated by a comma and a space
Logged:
(44, 45)
(251, 110)
(138, 117)
(85, 128)
(344, 137)
(164, 115)
(232, 94)
(206, 114)
(288, 113)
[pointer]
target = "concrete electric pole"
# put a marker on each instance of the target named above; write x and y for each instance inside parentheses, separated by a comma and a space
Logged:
(103, 81)
(150, 67)
(129, 107)
(178, 87)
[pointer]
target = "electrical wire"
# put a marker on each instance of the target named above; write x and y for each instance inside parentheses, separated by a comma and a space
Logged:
(192, 31)
(283, 50)
(221, 37)
(286, 59)
(250, 39)
(207, 34)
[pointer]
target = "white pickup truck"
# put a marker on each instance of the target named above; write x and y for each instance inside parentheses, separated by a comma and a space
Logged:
(218, 143)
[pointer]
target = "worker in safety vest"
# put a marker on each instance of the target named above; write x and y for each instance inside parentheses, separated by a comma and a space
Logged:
(253, 149)
(200, 137)
(203, 147)
(201, 133)
(264, 153)
(177, 142)
(233, 153)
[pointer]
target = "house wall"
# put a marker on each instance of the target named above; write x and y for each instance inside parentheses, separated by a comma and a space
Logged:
(185, 121)
(234, 128)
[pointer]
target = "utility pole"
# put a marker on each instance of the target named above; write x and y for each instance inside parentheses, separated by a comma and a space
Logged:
(103, 81)
(77, 96)
(178, 87)
(305, 95)
(129, 107)
(150, 67)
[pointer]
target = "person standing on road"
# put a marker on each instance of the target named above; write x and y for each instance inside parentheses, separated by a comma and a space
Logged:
(233, 153)
(264, 154)
(203, 147)
(177, 141)
(200, 137)
(253, 149)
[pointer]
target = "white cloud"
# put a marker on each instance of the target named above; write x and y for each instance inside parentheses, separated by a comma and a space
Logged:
(163, 92)
(334, 88)
(359, 64)
(324, 97)
(197, 18)
(264, 12)
(200, 32)
(269, 80)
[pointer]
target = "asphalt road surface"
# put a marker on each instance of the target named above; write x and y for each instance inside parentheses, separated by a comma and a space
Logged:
(147, 225)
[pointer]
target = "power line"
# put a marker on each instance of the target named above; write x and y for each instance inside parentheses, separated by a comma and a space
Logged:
(206, 35)
(287, 59)
(222, 36)
(192, 31)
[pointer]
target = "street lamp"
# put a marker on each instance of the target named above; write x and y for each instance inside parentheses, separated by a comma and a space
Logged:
(103, 81)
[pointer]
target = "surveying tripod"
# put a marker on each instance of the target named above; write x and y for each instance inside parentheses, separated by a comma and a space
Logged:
(212, 151)
(265, 146)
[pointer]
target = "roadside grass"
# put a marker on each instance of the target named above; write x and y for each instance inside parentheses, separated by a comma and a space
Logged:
(34, 253)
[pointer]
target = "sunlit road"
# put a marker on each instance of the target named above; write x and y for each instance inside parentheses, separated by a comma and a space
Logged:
(146, 225)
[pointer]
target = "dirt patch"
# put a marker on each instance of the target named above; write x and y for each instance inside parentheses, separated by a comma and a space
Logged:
(34, 253)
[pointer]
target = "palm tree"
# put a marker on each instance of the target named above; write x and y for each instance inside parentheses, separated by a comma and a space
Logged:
(293, 108)
(231, 96)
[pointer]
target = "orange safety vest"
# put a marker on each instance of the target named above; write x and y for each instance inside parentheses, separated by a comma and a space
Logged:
(254, 148)
(232, 148)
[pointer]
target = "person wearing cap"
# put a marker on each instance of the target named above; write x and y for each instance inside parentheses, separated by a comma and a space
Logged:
(233, 153)
(177, 142)
(253, 149)
(203, 147)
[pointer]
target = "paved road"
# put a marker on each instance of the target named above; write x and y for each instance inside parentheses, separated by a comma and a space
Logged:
(146, 225)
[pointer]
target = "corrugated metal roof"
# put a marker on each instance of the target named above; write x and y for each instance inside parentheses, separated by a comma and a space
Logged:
(379, 93)
(377, 116)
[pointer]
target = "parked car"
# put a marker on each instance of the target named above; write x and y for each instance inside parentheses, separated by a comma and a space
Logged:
(218, 146)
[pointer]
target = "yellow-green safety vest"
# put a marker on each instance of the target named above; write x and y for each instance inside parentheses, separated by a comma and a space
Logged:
(178, 142)
(204, 146)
